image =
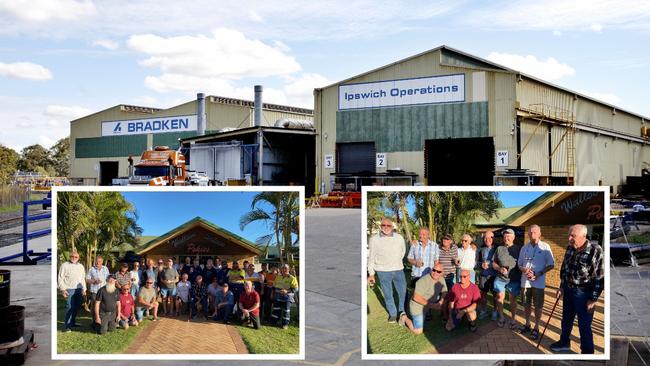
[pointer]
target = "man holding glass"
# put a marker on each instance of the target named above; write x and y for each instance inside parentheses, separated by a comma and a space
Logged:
(423, 255)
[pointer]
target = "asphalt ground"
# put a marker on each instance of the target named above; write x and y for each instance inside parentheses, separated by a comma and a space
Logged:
(333, 312)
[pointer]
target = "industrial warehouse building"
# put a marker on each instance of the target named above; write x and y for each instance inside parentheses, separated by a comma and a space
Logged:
(444, 117)
(101, 143)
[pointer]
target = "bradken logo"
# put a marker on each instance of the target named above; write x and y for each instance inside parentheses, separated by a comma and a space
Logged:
(118, 128)
(150, 125)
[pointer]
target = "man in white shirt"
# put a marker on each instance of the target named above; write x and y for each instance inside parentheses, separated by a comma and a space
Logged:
(96, 278)
(467, 257)
(183, 290)
(535, 259)
(423, 255)
(72, 285)
(385, 254)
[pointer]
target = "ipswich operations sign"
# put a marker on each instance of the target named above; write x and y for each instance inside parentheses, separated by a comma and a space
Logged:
(150, 125)
(426, 90)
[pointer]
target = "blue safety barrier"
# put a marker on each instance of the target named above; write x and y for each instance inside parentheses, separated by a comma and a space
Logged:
(29, 256)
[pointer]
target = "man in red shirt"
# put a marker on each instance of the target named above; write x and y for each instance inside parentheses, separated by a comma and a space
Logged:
(463, 299)
(127, 306)
(249, 303)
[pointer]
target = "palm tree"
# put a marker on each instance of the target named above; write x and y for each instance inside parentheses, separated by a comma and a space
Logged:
(282, 217)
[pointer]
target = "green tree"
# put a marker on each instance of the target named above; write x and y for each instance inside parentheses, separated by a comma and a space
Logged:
(34, 157)
(95, 223)
(8, 164)
(280, 211)
(60, 157)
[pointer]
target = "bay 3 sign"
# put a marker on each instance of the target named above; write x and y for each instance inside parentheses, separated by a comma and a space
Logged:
(426, 90)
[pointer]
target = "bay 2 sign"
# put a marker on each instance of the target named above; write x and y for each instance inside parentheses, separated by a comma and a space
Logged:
(425, 90)
(150, 125)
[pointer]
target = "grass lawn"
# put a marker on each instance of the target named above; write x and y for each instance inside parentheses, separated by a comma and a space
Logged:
(85, 340)
(386, 338)
(271, 339)
(11, 208)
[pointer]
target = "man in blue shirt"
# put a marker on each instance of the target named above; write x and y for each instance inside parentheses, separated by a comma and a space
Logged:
(224, 302)
(423, 255)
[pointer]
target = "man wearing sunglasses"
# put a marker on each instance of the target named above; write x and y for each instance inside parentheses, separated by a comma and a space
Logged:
(430, 292)
(385, 254)
(146, 301)
(463, 299)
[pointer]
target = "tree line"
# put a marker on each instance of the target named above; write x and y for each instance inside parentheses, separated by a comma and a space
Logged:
(54, 162)
(440, 212)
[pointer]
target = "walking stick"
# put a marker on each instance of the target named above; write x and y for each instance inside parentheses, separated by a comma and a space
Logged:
(549, 320)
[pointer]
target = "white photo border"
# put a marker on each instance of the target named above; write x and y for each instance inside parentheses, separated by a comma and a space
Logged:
(184, 357)
(493, 357)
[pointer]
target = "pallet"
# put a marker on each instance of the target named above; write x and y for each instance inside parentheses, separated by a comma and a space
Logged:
(17, 355)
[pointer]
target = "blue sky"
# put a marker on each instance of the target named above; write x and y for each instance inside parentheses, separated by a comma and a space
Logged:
(159, 212)
(63, 59)
(511, 199)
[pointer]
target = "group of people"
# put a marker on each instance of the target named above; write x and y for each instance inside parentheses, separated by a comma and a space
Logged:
(455, 281)
(144, 289)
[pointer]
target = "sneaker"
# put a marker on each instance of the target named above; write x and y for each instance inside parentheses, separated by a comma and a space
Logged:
(482, 314)
(392, 319)
(68, 330)
(495, 315)
(559, 347)
(402, 320)
(472, 327)
(525, 329)
(285, 327)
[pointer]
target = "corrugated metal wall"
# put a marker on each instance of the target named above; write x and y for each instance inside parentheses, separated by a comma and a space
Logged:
(608, 159)
(110, 146)
(559, 158)
(171, 139)
(530, 92)
(534, 155)
(501, 94)
(405, 128)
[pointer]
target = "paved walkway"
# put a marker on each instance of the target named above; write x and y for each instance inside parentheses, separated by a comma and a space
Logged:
(490, 339)
(174, 336)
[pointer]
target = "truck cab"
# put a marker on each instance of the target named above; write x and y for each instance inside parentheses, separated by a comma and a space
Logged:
(160, 166)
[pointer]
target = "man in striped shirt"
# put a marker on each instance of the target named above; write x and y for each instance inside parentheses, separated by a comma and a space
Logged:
(423, 255)
(582, 280)
(448, 257)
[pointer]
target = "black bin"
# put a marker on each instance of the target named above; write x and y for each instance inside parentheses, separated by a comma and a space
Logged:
(12, 323)
(5, 288)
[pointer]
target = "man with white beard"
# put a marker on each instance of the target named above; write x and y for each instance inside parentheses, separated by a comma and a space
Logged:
(107, 306)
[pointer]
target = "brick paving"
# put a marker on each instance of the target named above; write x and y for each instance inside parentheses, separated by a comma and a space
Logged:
(491, 339)
(178, 336)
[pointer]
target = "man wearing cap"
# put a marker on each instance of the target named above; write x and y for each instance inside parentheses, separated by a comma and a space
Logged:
(486, 275)
(96, 278)
(535, 259)
(107, 306)
(283, 296)
(582, 280)
(429, 293)
(423, 254)
(385, 254)
(508, 277)
(72, 285)
(224, 302)
(146, 301)
(448, 257)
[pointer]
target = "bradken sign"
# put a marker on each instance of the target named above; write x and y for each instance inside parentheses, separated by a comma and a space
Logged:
(426, 90)
(150, 125)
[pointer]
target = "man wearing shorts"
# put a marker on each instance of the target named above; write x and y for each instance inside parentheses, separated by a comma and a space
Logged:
(127, 309)
(167, 283)
(508, 279)
(486, 275)
(463, 299)
(147, 301)
(430, 291)
(534, 261)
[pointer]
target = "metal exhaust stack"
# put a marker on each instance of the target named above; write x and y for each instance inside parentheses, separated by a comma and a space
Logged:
(257, 116)
(200, 113)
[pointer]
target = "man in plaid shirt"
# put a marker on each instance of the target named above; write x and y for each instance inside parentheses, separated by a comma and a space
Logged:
(581, 283)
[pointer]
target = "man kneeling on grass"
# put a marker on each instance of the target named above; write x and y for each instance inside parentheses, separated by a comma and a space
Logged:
(249, 304)
(463, 298)
(430, 292)
(127, 308)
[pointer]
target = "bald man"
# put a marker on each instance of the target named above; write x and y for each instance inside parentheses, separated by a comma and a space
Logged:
(462, 300)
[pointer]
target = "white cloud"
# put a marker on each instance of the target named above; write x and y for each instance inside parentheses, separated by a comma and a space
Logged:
(31, 124)
(46, 10)
(68, 112)
(25, 70)
(549, 70)
(576, 15)
(45, 141)
(225, 54)
(610, 98)
(107, 43)
(300, 92)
